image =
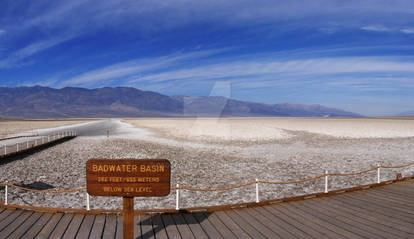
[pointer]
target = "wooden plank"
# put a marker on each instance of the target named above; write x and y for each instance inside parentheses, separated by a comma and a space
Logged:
(296, 221)
(393, 200)
(403, 196)
(9, 219)
(158, 226)
(360, 225)
(22, 229)
(146, 227)
(5, 214)
(97, 228)
(396, 215)
(231, 225)
(405, 189)
(74, 226)
(137, 226)
(278, 229)
(86, 227)
(37, 226)
(257, 224)
(221, 228)
(110, 227)
(383, 200)
(395, 196)
(207, 226)
(62, 226)
(249, 229)
(402, 190)
(182, 226)
(119, 227)
(16, 223)
(371, 218)
(287, 226)
(170, 227)
(195, 227)
(401, 213)
(323, 226)
(345, 229)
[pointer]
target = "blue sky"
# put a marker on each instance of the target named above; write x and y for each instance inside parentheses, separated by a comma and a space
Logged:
(354, 55)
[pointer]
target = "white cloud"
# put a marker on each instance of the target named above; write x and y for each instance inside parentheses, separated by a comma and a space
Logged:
(282, 68)
(376, 28)
(80, 15)
(134, 67)
(379, 28)
(16, 57)
(408, 30)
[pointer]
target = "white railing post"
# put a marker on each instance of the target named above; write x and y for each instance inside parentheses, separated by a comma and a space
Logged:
(5, 194)
(257, 191)
(177, 198)
(326, 181)
(5, 150)
(35, 144)
(27, 144)
(378, 173)
(88, 207)
(48, 138)
(17, 147)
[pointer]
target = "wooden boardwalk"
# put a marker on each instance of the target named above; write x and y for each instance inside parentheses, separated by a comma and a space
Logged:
(380, 212)
(30, 145)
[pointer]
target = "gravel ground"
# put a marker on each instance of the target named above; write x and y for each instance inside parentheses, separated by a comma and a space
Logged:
(209, 165)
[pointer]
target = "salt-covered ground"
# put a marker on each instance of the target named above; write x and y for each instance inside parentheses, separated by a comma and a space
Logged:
(209, 158)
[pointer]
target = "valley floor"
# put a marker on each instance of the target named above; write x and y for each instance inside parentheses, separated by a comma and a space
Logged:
(204, 155)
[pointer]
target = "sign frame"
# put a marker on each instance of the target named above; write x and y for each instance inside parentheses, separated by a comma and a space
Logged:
(128, 178)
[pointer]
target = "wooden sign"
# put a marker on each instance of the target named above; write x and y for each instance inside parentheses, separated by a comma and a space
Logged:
(128, 177)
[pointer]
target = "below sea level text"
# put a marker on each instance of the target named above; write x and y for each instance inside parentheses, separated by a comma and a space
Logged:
(128, 189)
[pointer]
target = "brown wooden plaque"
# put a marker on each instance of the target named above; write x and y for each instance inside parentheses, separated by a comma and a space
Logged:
(128, 177)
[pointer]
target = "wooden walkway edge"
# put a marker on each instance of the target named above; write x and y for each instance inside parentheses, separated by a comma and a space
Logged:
(384, 211)
(27, 148)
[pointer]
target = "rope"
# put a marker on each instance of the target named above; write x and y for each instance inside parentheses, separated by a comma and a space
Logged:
(351, 174)
(225, 188)
(401, 166)
(214, 189)
(43, 191)
(294, 182)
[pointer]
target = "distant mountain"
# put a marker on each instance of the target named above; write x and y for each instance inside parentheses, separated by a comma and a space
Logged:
(69, 102)
(407, 113)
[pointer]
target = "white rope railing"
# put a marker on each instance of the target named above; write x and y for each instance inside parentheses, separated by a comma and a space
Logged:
(28, 144)
(256, 182)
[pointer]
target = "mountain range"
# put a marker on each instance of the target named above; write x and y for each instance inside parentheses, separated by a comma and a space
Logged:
(407, 113)
(71, 102)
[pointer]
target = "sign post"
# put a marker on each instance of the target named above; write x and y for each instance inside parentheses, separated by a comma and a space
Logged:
(128, 178)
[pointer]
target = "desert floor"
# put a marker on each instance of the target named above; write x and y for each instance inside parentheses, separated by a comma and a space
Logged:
(210, 153)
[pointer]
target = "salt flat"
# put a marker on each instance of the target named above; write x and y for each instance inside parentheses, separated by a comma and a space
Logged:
(210, 153)
(275, 128)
